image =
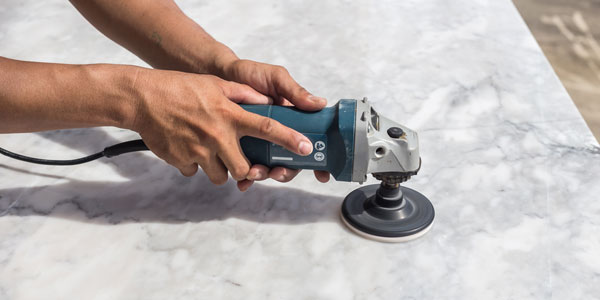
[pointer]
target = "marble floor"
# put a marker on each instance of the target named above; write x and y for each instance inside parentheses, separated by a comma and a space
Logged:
(569, 33)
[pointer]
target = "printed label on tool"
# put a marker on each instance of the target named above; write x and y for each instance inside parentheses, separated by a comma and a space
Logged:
(288, 158)
(318, 158)
(320, 146)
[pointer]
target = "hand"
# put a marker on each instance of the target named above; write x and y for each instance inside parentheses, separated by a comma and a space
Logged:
(277, 83)
(190, 120)
(178, 43)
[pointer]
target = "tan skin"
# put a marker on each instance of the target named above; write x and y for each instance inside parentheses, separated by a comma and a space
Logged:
(187, 119)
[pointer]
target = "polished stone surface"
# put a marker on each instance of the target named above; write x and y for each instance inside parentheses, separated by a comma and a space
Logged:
(508, 163)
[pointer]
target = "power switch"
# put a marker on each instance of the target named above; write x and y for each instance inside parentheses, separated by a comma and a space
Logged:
(395, 132)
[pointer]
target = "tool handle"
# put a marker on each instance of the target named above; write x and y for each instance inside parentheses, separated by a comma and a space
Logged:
(331, 131)
(314, 125)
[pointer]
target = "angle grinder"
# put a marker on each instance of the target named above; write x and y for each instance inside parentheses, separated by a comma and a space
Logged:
(350, 140)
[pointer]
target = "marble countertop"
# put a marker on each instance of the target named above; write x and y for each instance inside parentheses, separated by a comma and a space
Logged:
(508, 163)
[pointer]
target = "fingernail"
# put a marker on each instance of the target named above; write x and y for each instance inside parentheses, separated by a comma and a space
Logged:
(281, 178)
(305, 148)
(254, 175)
(319, 100)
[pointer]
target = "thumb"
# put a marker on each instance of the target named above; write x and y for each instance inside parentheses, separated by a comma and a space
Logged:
(288, 88)
(244, 94)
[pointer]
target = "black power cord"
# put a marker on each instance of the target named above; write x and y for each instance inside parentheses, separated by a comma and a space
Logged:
(114, 150)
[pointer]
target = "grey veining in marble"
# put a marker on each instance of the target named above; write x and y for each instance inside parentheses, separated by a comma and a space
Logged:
(508, 163)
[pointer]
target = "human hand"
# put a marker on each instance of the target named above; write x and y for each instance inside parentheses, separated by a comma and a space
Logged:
(178, 43)
(190, 120)
(277, 83)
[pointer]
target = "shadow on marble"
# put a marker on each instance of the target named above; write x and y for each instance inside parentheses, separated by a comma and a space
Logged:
(3, 166)
(156, 193)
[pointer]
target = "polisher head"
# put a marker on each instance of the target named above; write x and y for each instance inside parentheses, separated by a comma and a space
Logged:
(387, 213)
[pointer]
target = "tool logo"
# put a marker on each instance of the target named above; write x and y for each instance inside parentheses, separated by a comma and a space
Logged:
(319, 156)
(320, 145)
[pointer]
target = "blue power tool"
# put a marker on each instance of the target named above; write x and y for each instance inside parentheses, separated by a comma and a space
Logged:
(350, 140)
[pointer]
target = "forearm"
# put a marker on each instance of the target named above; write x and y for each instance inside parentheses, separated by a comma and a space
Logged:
(44, 96)
(158, 32)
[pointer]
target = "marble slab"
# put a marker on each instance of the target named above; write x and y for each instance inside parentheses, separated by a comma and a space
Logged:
(508, 163)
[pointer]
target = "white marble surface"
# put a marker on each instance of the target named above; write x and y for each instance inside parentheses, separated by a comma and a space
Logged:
(508, 163)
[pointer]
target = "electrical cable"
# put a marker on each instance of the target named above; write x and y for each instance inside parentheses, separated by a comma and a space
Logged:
(114, 150)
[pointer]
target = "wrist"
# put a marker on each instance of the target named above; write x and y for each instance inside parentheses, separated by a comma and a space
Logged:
(222, 59)
(134, 97)
(120, 94)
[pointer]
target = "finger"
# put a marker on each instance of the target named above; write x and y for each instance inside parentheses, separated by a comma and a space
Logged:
(287, 87)
(234, 160)
(215, 170)
(268, 129)
(282, 174)
(258, 172)
(283, 102)
(188, 170)
(244, 185)
(241, 93)
(322, 176)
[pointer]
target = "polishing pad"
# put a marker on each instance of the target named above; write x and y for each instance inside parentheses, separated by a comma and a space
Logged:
(387, 214)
